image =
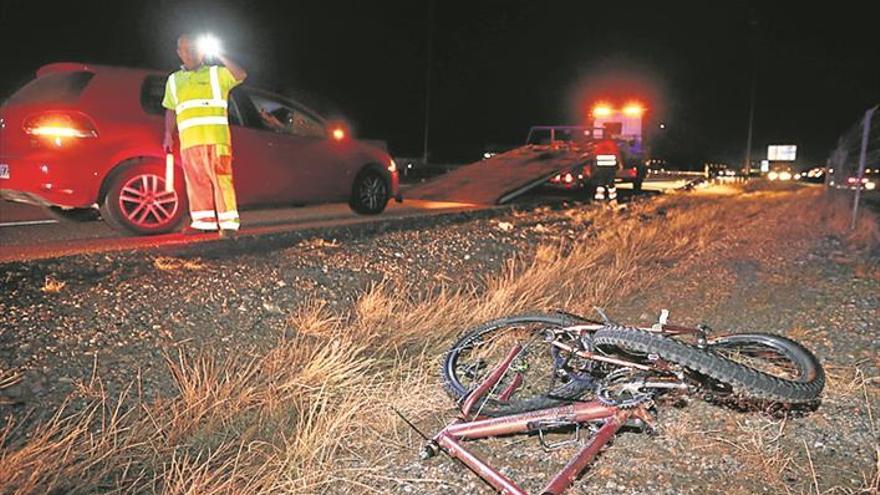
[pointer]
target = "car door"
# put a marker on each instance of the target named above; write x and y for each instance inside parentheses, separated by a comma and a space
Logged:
(320, 157)
(255, 155)
(310, 162)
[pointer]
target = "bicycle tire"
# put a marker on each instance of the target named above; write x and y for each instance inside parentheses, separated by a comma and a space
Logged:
(808, 368)
(491, 407)
(744, 379)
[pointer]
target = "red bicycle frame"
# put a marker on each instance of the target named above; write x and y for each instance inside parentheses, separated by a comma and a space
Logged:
(451, 438)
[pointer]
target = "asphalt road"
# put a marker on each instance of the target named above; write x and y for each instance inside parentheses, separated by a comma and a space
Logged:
(28, 232)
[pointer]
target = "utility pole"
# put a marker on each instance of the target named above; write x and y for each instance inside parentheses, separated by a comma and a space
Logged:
(753, 28)
(747, 165)
(429, 35)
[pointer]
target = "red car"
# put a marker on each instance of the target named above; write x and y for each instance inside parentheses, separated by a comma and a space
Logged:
(84, 138)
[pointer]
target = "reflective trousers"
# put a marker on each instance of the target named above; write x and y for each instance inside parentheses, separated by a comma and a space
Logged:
(208, 172)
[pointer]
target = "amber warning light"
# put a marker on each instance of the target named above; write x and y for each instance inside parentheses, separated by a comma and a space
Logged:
(601, 110)
(634, 110)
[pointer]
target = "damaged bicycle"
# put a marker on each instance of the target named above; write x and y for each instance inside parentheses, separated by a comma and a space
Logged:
(548, 372)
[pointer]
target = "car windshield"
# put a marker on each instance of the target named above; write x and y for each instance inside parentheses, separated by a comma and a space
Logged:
(61, 87)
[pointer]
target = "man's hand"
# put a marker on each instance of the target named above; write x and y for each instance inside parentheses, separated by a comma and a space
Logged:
(237, 72)
(170, 127)
(168, 143)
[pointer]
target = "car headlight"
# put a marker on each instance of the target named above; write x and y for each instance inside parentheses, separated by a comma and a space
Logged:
(772, 176)
(870, 185)
(784, 176)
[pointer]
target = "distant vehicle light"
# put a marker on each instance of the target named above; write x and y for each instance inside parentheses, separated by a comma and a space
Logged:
(784, 175)
(488, 155)
(392, 167)
(797, 176)
(569, 178)
(602, 110)
(338, 134)
(870, 185)
(772, 176)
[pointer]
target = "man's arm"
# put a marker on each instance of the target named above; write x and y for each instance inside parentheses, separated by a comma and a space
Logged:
(237, 72)
(170, 129)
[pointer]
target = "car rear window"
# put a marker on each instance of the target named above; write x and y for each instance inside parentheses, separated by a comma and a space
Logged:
(61, 87)
(152, 93)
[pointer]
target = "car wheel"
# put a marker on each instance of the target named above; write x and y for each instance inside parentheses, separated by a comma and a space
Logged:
(136, 201)
(370, 193)
(73, 214)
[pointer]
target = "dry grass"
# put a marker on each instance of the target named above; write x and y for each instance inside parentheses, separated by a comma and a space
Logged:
(52, 285)
(313, 414)
(171, 264)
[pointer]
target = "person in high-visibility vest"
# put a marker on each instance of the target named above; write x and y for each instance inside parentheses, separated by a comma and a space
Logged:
(196, 101)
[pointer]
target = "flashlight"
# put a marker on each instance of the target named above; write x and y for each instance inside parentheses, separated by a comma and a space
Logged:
(208, 45)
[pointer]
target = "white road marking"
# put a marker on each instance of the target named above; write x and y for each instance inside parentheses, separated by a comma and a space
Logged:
(29, 222)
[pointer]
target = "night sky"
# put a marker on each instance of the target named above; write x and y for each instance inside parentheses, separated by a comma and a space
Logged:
(501, 66)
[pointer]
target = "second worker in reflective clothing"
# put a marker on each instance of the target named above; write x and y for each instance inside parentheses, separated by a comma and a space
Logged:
(196, 102)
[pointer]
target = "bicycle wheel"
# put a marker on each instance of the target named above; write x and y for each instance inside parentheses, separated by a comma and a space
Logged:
(773, 355)
(758, 365)
(540, 376)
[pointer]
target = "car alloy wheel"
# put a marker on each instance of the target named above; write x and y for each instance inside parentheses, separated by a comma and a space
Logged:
(373, 192)
(145, 203)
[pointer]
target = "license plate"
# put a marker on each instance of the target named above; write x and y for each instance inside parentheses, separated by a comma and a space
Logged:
(4, 171)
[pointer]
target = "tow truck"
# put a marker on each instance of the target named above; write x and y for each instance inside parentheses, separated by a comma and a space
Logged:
(596, 177)
(620, 128)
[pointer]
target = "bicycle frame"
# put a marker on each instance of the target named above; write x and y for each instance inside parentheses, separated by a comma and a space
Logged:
(450, 439)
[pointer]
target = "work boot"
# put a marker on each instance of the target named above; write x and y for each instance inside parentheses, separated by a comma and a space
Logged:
(228, 233)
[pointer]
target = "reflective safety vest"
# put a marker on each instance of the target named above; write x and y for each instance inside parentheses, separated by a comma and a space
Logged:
(200, 100)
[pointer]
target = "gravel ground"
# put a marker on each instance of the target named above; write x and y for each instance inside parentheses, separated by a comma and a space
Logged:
(118, 315)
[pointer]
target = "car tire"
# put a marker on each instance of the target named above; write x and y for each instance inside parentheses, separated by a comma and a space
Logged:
(76, 215)
(136, 201)
(370, 193)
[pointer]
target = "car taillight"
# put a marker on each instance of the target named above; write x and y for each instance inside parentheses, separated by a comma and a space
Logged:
(57, 126)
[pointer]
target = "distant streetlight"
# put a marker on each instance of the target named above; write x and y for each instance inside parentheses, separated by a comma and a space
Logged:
(662, 125)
